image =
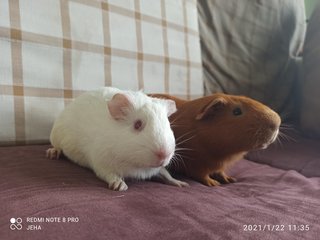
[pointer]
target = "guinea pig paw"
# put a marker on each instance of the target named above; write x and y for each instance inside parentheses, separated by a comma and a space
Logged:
(165, 177)
(118, 185)
(178, 183)
(53, 153)
(231, 179)
(223, 178)
(211, 182)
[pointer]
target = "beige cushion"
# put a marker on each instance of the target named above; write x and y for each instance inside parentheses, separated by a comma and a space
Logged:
(250, 47)
(310, 105)
(51, 51)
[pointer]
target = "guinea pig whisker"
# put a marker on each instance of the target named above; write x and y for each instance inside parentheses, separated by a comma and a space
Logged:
(286, 129)
(180, 161)
(174, 162)
(286, 126)
(173, 121)
(281, 139)
(278, 141)
(185, 140)
(176, 119)
(183, 135)
(177, 126)
(286, 137)
(183, 149)
(177, 156)
(181, 155)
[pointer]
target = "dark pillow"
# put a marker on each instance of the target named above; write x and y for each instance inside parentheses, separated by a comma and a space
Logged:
(310, 100)
(251, 47)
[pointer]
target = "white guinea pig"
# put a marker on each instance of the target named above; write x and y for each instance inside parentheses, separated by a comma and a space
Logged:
(118, 134)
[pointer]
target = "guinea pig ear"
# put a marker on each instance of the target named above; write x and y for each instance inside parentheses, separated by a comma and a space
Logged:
(168, 103)
(118, 106)
(212, 108)
(171, 106)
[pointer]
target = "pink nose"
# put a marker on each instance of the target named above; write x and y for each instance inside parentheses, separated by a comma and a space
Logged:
(161, 154)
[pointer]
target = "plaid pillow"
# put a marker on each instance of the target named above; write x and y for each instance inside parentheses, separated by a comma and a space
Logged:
(51, 51)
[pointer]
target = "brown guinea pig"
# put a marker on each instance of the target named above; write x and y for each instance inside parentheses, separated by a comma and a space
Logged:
(213, 131)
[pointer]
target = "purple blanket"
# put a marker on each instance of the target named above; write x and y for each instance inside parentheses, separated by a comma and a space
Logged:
(299, 153)
(56, 199)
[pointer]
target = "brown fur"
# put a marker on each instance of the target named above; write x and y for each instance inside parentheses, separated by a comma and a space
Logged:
(210, 137)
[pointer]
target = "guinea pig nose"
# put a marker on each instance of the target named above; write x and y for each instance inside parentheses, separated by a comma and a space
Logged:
(274, 125)
(161, 154)
(274, 120)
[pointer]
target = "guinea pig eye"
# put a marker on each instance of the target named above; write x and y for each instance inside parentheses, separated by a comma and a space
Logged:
(237, 111)
(138, 125)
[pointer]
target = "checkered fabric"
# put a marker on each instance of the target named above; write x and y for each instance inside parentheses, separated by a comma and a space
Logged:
(53, 50)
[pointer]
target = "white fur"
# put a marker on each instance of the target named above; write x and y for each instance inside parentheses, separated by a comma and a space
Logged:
(89, 136)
